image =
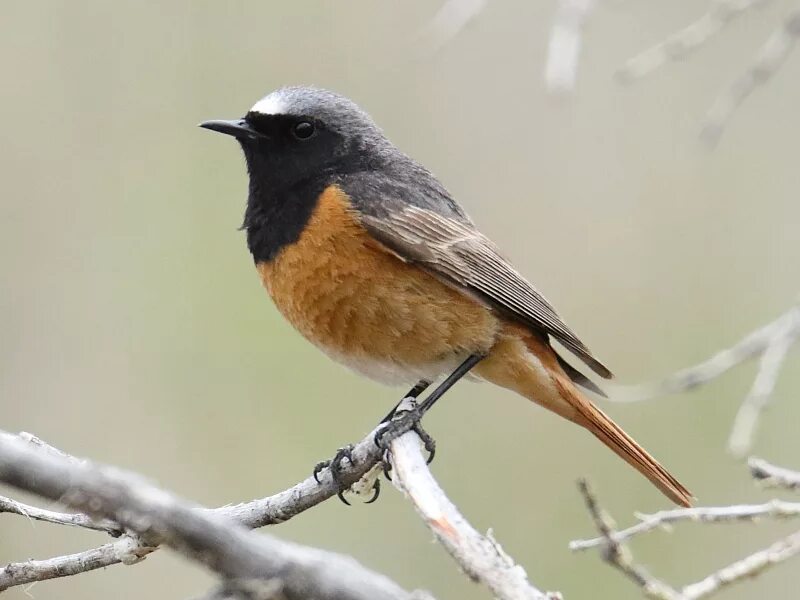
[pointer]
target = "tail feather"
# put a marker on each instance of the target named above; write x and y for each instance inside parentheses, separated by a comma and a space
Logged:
(526, 363)
(613, 436)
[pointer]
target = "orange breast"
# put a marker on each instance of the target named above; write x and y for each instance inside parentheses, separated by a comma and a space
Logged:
(364, 306)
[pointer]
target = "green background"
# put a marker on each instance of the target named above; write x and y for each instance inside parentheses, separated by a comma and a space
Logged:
(133, 329)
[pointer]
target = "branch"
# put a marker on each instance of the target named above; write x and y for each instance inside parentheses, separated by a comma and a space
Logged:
(618, 555)
(160, 518)
(682, 43)
(774, 509)
(771, 343)
(450, 20)
(768, 60)
(7, 505)
(771, 476)
(564, 45)
(480, 557)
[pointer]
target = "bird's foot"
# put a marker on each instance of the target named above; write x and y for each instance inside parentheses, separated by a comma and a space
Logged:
(336, 468)
(403, 421)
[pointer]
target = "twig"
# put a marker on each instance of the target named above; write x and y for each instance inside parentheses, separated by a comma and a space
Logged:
(564, 45)
(7, 505)
(744, 425)
(769, 59)
(774, 509)
(450, 19)
(618, 556)
(771, 342)
(682, 43)
(126, 550)
(481, 557)
(160, 518)
(253, 514)
(772, 476)
(746, 568)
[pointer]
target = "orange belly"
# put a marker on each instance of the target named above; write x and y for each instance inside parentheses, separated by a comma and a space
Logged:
(365, 307)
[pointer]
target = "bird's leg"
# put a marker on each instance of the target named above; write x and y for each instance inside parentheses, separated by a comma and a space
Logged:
(409, 420)
(346, 453)
(413, 393)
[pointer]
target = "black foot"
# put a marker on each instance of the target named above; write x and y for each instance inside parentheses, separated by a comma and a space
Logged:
(335, 466)
(376, 491)
(403, 422)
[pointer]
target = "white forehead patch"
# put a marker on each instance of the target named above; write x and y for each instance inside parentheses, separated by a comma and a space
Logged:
(273, 104)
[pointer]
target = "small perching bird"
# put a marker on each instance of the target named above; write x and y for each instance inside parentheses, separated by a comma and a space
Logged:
(368, 256)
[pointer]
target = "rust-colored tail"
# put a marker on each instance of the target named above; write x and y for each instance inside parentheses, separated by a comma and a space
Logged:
(613, 436)
(526, 363)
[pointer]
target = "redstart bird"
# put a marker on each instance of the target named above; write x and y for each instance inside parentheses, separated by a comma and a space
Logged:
(368, 256)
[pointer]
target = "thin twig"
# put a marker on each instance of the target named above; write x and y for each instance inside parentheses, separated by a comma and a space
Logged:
(771, 342)
(772, 476)
(564, 45)
(744, 424)
(768, 61)
(746, 568)
(774, 509)
(617, 555)
(160, 518)
(256, 513)
(449, 21)
(7, 505)
(480, 557)
(752, 345)
(682, 43)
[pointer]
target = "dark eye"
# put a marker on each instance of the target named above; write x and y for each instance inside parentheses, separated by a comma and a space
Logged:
(303, 130)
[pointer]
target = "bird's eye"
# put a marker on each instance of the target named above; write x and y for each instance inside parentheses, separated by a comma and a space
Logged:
(303, 130)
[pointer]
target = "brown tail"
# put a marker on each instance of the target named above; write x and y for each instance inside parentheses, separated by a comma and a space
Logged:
(613, 436)
(528, 365)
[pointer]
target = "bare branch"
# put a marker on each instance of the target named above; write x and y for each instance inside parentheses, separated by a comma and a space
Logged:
(7, 505)
(160, 518)
(564, 45)
(256, 513)
(752, 345)
(306, 494)
(769, 59)
(451, 18)
(774, 509)
(618, 556)
(126, 550)
(682, 43)
(771, 342)
(769, 368)
(772, 476)
(481, 557)
(746, 568)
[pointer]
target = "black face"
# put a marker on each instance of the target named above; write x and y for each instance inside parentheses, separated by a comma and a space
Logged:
(291, 160)
(290, 149)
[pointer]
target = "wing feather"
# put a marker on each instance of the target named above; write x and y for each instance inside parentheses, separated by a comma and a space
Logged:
(455, 251)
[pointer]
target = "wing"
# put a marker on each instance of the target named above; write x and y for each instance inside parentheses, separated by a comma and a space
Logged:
(452, 249)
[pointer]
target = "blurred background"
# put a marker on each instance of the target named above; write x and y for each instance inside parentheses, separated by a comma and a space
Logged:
(133, 328)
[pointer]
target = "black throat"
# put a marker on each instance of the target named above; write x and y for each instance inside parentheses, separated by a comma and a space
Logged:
(282, 197)
(276, 216)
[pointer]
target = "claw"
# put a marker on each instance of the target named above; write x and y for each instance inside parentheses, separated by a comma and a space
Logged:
(376, 491)
(427, 440)
(319, 467)
(335, 467)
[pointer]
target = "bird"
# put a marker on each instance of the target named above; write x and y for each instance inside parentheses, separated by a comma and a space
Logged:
(365, 252)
